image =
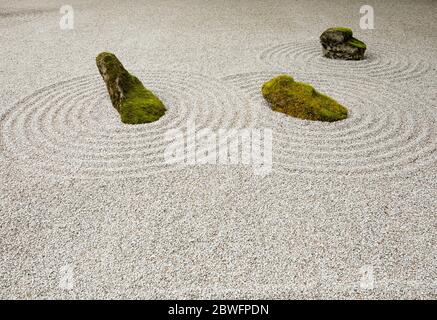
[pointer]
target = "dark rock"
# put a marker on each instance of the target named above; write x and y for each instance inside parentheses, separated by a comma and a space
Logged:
(338, 43)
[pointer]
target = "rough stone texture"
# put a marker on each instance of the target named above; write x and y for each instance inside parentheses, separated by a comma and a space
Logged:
(115, 76)
(338, 43)
(132, 100)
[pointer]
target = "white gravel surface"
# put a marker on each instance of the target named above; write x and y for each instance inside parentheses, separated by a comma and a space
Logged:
(79, 191)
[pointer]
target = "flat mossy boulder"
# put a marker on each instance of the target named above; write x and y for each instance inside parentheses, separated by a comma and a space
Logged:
(301, 100)
(339, 43)
(129, 97)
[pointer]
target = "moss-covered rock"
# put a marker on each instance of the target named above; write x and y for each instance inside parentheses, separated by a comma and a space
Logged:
(129, 97)
(336, 35)
(339, 43)
(301, 100)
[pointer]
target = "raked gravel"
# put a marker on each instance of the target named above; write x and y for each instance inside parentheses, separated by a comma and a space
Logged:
(87, 199)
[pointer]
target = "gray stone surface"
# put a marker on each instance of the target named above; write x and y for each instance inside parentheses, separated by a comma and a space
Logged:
(338, 43)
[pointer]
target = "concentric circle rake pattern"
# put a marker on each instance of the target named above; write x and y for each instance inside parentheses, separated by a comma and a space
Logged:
(14, 16)
(382, 62)
(388, 131)
(71, 129)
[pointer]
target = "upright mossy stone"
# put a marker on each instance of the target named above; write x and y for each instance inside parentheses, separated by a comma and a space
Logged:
(301, 100)
(339, 43)
(129, 97)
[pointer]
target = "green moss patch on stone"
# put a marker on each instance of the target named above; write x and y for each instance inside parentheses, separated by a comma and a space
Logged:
(357, 43)
(338, 43)
(301, 100)
(347, 31)
(130, 98)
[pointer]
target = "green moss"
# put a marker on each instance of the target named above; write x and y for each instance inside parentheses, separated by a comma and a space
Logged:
(301, 100)
(345, 30)
(356, 43)
(133, 101)
(141, 105)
